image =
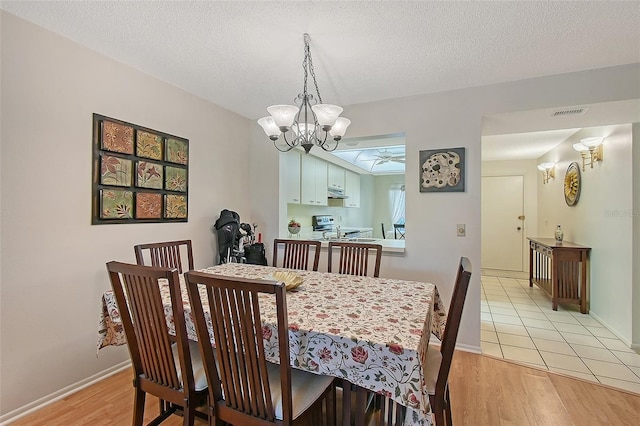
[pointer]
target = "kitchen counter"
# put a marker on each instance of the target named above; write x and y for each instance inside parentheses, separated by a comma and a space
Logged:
(388, 245)
(316, 235)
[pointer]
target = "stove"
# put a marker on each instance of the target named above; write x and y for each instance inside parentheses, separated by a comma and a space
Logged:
(322, 222)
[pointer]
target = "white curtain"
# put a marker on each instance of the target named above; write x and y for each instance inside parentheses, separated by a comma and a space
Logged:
(396, 203)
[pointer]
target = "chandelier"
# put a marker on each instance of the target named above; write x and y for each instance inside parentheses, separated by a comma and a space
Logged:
(310, 122)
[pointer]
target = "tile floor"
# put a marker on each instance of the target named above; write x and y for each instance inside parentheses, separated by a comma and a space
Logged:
(518, 324)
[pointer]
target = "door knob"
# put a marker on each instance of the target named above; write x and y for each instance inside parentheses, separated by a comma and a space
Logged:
(519, 228)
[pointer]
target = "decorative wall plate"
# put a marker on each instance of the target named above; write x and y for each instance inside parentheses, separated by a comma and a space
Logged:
(572, 184)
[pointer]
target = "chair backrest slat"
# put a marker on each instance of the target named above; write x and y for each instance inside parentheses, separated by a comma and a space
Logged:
(234, 305)
(137, 292)
(297, 253)
(454, 316)
(166, 254)
(354, 258)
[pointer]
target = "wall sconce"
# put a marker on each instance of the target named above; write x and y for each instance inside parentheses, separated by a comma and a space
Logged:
(590, 149)
(548, 171)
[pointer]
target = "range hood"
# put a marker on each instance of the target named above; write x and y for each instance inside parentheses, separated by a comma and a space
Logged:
(336, 193)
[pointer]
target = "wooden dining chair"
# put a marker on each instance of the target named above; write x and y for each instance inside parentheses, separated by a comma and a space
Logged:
(438, 363)
(167, 254)
(296, 253)
(245, 389)
(354, 258)
(164, 365)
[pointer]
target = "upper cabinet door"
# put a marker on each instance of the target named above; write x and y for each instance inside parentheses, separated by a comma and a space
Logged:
(293, 174)
(321, 183)
(335, 176)
(314, 181)
(352, 189)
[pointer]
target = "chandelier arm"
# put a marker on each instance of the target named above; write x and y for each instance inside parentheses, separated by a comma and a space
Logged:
(295, 142)
(326, 146)
(287, 149)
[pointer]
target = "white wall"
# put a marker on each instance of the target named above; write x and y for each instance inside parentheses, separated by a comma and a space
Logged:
(635, 283)
(531, 177)
(53, 259)
(602, 219)
(452, 119)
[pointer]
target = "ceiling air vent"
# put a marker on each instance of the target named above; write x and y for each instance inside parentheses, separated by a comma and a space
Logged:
(570, 111)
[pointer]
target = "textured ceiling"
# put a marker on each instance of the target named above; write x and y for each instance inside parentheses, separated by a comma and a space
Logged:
(245, 56)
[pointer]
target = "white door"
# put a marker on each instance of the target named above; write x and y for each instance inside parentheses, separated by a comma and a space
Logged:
(502, 207)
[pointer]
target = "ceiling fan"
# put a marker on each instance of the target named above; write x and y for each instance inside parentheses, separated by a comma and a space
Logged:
(384, 156)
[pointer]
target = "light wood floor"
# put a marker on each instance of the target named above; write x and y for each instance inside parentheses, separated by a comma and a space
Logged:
(484, 391)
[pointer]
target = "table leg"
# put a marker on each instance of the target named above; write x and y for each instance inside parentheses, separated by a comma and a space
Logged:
(554, 284)
(530, 266)
(583, 283)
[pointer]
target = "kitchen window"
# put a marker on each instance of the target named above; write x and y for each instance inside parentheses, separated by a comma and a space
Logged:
(396, 203)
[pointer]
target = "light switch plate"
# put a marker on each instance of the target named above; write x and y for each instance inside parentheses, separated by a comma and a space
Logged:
(461, 229)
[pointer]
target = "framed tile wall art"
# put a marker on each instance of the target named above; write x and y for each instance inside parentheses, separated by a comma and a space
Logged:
(442, 170)
(140, 175)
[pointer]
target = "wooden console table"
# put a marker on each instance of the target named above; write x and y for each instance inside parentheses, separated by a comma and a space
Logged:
(560, 269)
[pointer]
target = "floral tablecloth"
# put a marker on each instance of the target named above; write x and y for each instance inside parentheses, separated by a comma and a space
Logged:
(373, 332)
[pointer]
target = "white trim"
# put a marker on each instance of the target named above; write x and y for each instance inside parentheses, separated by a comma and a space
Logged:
(29, 408)
(611, 329)
(469, 348)
(459, 346)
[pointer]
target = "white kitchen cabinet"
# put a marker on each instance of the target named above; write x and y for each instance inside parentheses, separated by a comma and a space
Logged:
(336, 176)
(314, 181)
(321, 183)
(292, 173)
(352, 189)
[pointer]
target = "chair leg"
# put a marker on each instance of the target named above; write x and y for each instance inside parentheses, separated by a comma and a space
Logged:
(189, 414)
(439, 417)
(447, 406)
(437, 410)
(138, 407)
(331, 406)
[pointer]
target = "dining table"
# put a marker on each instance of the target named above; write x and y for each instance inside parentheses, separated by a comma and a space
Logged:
(372, 332)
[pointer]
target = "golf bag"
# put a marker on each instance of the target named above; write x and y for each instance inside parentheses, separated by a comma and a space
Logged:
(228, 230)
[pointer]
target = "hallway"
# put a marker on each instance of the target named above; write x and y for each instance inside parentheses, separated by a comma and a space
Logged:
(518, 324)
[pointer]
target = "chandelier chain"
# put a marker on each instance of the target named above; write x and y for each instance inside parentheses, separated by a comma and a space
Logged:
(308, 62)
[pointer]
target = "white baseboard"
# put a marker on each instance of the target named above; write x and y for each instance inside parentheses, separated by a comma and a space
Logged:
(608, 327)
(459, 346)
(29, 408)
(469, 348)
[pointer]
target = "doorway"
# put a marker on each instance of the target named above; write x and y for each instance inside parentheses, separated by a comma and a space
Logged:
(502, 222)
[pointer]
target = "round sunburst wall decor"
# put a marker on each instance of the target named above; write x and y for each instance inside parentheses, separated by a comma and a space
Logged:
(572, 184)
